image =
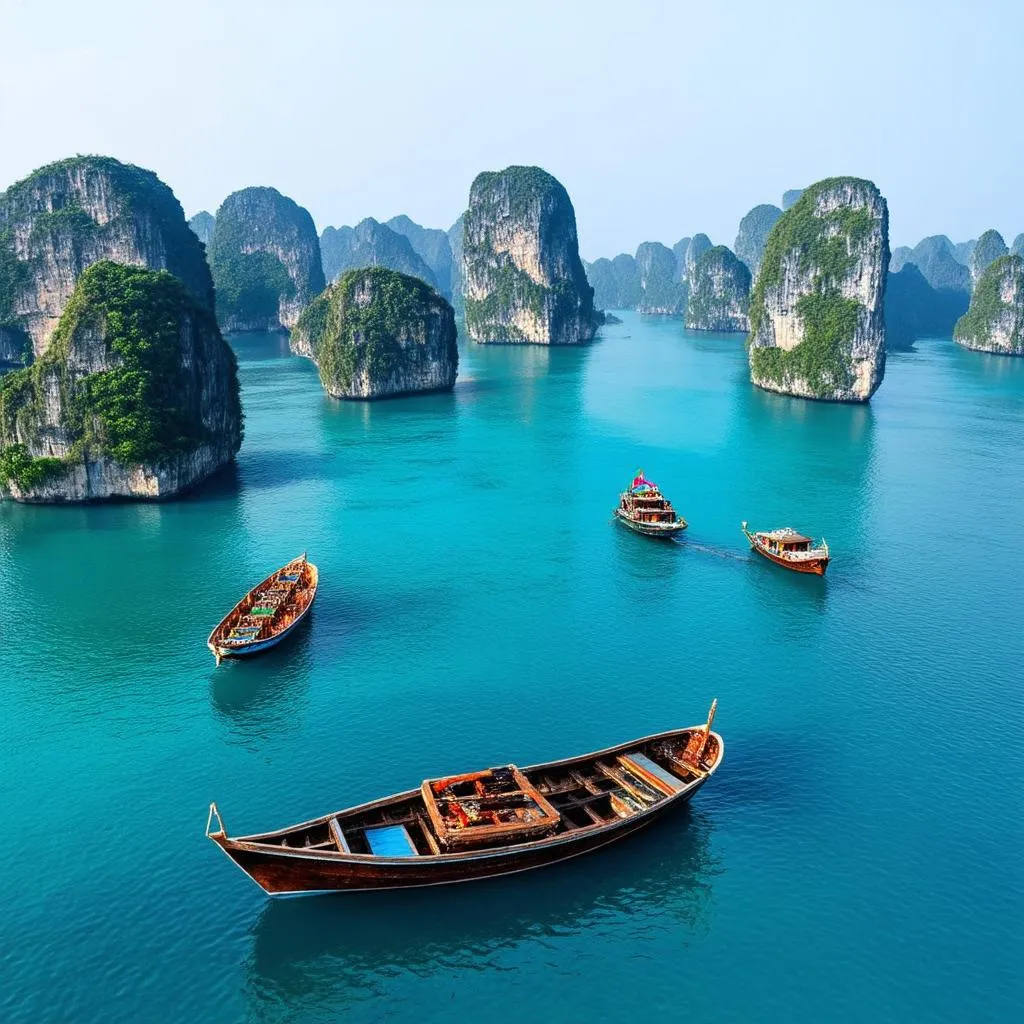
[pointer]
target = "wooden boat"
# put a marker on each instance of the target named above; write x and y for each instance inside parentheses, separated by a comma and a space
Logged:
(646, 510)
(790, 549)
(268, 613)
(484, 824)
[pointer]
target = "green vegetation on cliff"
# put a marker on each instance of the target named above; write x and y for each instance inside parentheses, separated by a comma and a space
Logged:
(825, 246)
(249, 285)
(522, 185)
(132, 412)
(512, 289)
(344, 330)
(974, 328)
(719, 296)
(53, 210)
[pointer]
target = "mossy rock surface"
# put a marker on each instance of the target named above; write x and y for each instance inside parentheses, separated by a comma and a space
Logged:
(265, 258)
(376, 332)
(816, 320)
(136, 373)
(65, 216)
(994, 322)
(523, 280)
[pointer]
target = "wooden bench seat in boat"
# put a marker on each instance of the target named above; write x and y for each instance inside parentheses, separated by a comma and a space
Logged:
(641, 765)
(338, 836)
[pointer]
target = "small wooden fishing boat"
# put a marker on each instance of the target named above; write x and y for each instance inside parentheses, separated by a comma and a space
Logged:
(268, 613)
(790, 549)
(646, 510)
(484, 824)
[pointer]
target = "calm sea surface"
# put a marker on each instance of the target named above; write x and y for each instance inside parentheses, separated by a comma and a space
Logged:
(860, 853)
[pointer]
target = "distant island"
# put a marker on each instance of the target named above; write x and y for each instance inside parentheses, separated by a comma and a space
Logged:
(523, 281)
(265, 258)
(816, 314)
(995, 320)
(377, 333)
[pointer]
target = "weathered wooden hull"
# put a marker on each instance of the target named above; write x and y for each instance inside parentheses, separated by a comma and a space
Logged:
(248, 650)
(664, 530)
(812, 566)
(295, 873)
(282, 866)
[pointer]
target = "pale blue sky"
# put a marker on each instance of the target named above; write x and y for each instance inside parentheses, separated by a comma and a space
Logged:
(661, 119)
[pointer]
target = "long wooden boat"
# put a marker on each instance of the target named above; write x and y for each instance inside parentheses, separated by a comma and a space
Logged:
(268, 613)
(790, 549)
(484, 824)
(644, 509)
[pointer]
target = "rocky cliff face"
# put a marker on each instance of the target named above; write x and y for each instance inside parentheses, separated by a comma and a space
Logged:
(790, 197)
(202, 226)
(680, 250)
(371, 244)
(376, 333)
(936, 258)
(699, 245)
(753, 233)
(816, 313)
(601, 275)
(661, 289)
(914, 309)
(988, 249)
(432, 246)
(964, 250)
(995, 320)
(719, 293)
(455, 241)
(522, 275)
(265, 258)
(135, 397)
(66, 216)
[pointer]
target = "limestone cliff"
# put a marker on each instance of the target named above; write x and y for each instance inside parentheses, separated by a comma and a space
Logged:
(816, 312)
(202, 225)
(989, 248)
(719, 293)
(455, 241)
(964, 250)
(753, 233)
(935, 257)
(265, 258)
(661, 290)
(376, 333)
(679, 250)
(601, 275)
(371, 244)
(522, 276)
(135, 397)
(995, 320)
(790, 197)
(432, 246)
(914, 309)
(1017, 249)
(68, 215)
(699, 245)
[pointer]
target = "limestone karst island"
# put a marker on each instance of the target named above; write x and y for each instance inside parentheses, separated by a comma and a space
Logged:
(509, 511)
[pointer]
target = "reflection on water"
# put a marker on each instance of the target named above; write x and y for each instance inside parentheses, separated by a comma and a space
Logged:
(264, 695)
(331, 950)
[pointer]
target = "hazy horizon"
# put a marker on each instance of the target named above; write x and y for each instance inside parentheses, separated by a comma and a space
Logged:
(661, 121)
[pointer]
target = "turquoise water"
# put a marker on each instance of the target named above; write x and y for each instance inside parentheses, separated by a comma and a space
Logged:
(858, 854)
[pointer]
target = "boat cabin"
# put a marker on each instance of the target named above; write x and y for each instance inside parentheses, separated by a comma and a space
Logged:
(649, 507)
(781, 542)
